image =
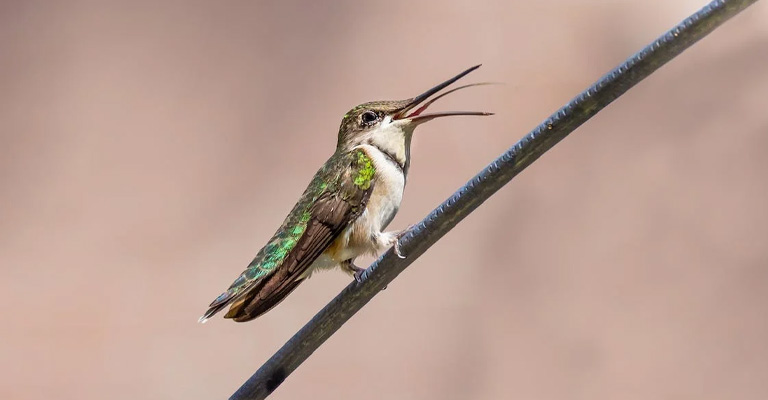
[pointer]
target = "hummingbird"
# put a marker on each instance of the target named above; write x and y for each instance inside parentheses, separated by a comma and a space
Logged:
(345, 209)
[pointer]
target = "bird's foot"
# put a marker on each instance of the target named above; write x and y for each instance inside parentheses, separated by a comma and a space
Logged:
(350, 267)
(359, 274)
(356, 271)
(399, 235)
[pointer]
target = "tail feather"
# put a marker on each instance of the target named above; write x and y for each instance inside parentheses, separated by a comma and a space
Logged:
(256, 304)
(210, 313)
(251, 299)
(225, 299)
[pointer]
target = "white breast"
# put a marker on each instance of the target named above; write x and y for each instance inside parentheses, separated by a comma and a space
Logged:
(364, 235)
(387, 190)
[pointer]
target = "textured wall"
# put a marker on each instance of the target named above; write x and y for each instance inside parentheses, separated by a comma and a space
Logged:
(147, 152)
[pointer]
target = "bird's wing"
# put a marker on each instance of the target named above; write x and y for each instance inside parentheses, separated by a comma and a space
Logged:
(336, 197)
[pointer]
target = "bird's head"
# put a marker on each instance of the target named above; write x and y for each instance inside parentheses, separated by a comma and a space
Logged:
(389, 125)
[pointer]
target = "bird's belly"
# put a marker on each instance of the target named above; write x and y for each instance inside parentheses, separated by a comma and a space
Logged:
(380, 210)
(383, 206)
(361, 236)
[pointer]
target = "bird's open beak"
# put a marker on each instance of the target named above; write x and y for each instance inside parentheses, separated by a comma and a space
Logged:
(416, 115)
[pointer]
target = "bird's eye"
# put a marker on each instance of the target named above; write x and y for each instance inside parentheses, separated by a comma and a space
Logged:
(369, 117)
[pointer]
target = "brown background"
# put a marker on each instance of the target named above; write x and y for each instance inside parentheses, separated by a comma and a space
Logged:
(148, 151)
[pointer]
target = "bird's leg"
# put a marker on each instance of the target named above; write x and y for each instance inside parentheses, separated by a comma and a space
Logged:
(349, 267)
(392, 239)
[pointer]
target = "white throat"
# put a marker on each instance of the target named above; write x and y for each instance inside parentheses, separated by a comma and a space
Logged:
(393, 139)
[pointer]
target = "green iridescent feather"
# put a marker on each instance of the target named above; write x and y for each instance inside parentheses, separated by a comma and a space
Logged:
(365, 171)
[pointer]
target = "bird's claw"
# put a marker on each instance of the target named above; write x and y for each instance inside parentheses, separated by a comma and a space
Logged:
(359, 274)
(397, 250)
(399, 235)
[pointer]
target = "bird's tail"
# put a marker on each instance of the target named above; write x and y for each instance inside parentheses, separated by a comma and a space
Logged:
(224, 299)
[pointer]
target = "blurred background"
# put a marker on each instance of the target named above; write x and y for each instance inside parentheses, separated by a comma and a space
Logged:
(147, 152)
